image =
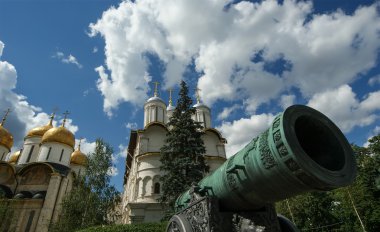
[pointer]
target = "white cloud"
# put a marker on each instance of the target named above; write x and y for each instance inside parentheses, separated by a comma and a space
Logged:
(131, 125)
(342, 106)
(374, 80)
(223, 43)
(113, 171)
(226, 112)
(287, 100)
(1, 48)
(24, 116)
(238, 133)
(70, 59)
(85, 146)
(95, 50)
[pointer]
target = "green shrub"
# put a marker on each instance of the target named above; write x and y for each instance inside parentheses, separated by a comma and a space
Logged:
(144, 227)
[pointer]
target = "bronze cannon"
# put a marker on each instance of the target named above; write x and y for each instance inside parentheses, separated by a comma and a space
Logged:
(302, 151)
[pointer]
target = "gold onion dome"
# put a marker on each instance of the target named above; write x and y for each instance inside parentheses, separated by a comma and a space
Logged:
(78, 157)
(14, 157)
(39, 131)
(59, 135)
(6, 138)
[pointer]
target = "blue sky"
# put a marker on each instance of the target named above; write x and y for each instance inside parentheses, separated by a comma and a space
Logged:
(98, 59)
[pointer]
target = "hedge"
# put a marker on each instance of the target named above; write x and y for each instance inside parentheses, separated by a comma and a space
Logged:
(143, 227)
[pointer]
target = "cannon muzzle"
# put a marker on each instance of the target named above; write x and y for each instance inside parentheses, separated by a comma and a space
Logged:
(302, 151)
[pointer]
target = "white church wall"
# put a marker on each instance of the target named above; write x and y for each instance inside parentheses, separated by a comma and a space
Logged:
(56, 153)
(155, 136)
(30, 150)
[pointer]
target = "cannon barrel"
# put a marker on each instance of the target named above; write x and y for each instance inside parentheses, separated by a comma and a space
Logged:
(302, 151)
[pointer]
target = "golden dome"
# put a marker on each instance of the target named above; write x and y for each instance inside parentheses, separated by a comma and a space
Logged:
(14, 157)
(39, 131)
(6, 138)
(77, 157)
(59, 135)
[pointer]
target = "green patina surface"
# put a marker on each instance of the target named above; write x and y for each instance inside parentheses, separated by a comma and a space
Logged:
(301, 151)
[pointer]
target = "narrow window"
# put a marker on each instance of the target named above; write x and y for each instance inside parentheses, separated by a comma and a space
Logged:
(60, 158)
(30, 220)
(156, 114)
(204, 120)
(2, 157)
(156, 188)
(47, 157)
(30, 154)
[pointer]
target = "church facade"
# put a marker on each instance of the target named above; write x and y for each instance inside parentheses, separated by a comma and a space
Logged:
(34, 180)
(142, 185)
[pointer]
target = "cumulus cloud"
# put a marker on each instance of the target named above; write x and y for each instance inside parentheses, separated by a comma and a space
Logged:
(234, 48)
(343, 107)
(131, 125)
(24, 116)
(374, 80)
(85, 146)
(239, 132)
(70, 59)
(287, 100)
(1, 48)
(226, 112)
(113, 171)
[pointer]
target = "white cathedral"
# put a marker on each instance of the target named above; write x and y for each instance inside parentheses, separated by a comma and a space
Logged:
(142, 186)
(34, 180)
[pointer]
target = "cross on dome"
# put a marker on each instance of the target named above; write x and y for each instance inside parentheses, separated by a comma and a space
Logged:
(156, 83)
(197, 90)
(65, 118)
(5, 116)
(170, 96)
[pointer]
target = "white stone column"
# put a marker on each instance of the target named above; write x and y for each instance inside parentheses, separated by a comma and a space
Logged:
(49, 204)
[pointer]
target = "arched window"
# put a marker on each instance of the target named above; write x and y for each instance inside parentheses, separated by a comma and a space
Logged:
(156, 188)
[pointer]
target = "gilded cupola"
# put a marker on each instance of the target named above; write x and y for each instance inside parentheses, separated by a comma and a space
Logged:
(78, 157)
(40, 131)
(14, 157)
(6, 138)
(59, 135)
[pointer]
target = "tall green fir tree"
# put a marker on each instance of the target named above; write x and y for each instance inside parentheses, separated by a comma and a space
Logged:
(182, 157)
(92, 200)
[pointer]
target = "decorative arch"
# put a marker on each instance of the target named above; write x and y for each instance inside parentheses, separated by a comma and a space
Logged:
(147, 185)
(36, 174)
(7, 174)
(217, 133)
(156, 187)
(5, 191)
(160, 124)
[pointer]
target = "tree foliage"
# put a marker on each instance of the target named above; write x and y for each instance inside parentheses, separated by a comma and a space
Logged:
(182, 155)
(92, 200)
(345, 209)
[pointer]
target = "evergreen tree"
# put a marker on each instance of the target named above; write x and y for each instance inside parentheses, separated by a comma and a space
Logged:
(360, 202)
(182, 155)
(311, 211)
(92, 200)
